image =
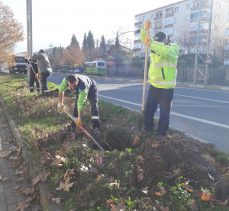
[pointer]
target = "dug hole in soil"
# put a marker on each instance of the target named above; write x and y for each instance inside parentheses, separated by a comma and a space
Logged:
(155, 158)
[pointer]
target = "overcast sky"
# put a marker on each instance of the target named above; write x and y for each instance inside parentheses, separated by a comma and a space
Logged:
(55, 21)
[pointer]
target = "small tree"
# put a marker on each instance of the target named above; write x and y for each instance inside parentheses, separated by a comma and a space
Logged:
(10, 32)
(103, 48)
(76, 57)
(74, 41)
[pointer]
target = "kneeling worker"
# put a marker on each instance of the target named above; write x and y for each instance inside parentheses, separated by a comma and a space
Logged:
(85, 88)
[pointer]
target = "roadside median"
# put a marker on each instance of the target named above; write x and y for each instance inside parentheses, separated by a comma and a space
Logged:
(137, 171)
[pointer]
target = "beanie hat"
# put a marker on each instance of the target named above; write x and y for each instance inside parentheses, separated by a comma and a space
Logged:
(160, 36)
(41, 51)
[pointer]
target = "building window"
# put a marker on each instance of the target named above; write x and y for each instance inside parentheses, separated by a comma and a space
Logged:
(194, 16)
(176, 10)
(187, 18)
(158, 15)
(204, 26)
(169, 11)
(152, 16)
(193, 27)
(187, 6)
(169, 21)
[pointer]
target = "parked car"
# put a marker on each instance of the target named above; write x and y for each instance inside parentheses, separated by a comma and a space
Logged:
(19, 65)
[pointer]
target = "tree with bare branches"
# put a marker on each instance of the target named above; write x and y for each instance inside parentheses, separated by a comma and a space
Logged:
(11, 32)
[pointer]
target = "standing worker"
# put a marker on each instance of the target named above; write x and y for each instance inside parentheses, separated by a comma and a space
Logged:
(33, 76)
(85, 88)
(44, 68)
(161, 77)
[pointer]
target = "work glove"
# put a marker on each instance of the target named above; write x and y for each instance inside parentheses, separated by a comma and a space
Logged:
(78, 122)
(147, 25)
(147, 38)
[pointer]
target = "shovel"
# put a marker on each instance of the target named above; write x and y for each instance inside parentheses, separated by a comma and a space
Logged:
(85, 131)
(140, 121)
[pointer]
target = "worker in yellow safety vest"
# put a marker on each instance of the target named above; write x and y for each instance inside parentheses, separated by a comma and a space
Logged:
(161, 77)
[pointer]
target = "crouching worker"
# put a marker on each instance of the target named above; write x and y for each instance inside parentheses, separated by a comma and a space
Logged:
(33, 75)
(85, 88)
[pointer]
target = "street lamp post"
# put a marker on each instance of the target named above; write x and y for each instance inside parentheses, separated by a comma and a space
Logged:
(29, 27)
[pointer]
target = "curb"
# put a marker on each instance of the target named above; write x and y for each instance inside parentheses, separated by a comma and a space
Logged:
(31, 162)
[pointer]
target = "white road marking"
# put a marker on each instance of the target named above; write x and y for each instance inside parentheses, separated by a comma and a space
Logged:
(173, 113)
(202, 98)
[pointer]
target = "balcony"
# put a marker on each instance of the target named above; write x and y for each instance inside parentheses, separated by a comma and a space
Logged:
(157, 27)
(169, 14)
(139, 23)
(168, 25)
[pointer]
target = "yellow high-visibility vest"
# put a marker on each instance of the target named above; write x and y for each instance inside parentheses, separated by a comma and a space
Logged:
(163, 61)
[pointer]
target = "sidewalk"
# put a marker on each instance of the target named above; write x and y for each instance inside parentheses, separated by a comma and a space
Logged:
(9, 198)
(13, 178)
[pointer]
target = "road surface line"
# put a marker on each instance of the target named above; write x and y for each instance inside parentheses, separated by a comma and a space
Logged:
(202, 98)
(173, 113)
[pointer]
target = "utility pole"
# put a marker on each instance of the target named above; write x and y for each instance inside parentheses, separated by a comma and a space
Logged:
(197, 44)
(29, 27)
(208, 43)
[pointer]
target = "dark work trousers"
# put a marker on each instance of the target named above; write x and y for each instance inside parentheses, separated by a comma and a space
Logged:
(93, 98)
(33, 79)
(44, 82)
(163, 98)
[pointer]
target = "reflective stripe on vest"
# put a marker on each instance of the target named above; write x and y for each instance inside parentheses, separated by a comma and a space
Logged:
(95, 117)
(166, 83)
(164, 64)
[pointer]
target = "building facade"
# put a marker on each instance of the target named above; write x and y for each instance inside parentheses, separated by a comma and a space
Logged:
(195, 24)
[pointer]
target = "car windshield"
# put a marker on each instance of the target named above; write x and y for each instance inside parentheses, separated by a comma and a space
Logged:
(20, 59)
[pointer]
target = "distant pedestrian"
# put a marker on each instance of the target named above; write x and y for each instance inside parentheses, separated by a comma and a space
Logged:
(161, 77)
(44, 69)
(33, 76)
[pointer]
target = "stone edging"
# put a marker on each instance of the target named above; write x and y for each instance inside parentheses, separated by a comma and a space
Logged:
(28, 157)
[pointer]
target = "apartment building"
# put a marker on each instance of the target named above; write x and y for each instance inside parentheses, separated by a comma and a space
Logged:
(187, 22)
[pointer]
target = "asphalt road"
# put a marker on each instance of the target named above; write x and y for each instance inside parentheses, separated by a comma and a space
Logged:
(200, 113)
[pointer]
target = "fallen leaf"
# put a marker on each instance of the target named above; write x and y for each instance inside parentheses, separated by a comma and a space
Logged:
(3, 179)
(57, 162)
(160, 193)
(136, 140)
(63, 159)
(99, 177)
(36, 180)
(188, 187)
(22, 206)
(66, 185)
(205, 196)
(145, 190)
(115, 183)
(17, 188)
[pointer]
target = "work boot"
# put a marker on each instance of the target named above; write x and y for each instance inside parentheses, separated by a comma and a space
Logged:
(72, 127)
(95, 124)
